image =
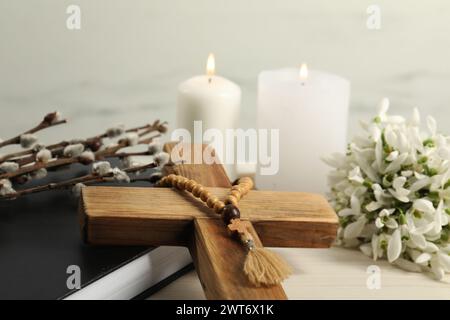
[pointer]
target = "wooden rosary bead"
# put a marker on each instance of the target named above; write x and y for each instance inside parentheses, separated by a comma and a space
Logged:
(190, 185)
(197, 190)
(218, 206)
(205, 195)
(236, 194)
(247, 181)
(181, 183)
(237, 188)
(211, 202)
(230, 212)
(227, 209)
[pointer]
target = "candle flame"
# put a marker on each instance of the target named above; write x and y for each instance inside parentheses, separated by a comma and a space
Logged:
(303, 72)
(210, 65)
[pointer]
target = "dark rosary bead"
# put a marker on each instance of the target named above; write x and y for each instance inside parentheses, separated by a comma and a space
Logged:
(230, 212)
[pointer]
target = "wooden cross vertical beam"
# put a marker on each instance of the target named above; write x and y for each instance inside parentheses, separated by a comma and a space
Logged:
(162, 216)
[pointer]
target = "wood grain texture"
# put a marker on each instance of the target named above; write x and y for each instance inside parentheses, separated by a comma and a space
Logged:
(219, 264)
(163, 216)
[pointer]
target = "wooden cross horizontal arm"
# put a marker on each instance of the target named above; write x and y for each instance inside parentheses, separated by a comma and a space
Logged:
(163, 216)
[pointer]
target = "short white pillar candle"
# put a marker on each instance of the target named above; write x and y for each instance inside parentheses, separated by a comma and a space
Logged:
(209, 98)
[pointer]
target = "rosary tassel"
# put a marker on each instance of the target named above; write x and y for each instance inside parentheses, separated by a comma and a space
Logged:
(265, 267)
(261, 266)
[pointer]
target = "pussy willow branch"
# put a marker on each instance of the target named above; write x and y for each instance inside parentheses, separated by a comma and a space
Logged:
(58, 148)
(87, 179)
(47, 122)
(107, 153)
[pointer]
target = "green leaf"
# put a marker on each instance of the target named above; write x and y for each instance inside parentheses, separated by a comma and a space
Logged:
(429, 143)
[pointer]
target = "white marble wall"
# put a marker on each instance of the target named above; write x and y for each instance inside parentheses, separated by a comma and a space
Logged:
(126, 61)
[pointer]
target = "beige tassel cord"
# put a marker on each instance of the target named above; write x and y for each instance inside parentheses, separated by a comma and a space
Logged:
(262, 267)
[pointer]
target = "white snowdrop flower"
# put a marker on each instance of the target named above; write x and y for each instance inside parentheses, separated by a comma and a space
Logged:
(384, 219)
(395, 246)
(120, 176)
(115, 131)
(396, 164)
(395, 119)
(6, 188)
(28, 140)
(76, 190)
(39, 174)
(444, 261)
(423, 205)
(431, 247)
(354, 210)
(390, 136)
(87, 157)
(392, 193)
(132, 138)
(386, 212)
(392, 156)
(383, 109)
(415, 121)
(44, 156)
(373, 205)
(406, 173)
(7, 167)
(379, 223)
(398, 191)
(421, 183)
(423, 258)
(391, 223)
(154, 147)
(336, 160)
(354, 229)
(73, 150)
(432, 126)
(355, 175)
(101, 168)
(375, 133)
(161, 159)
(407, 265)
(436, 268)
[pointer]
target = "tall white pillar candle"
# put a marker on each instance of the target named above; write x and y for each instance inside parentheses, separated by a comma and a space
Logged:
(310, 108)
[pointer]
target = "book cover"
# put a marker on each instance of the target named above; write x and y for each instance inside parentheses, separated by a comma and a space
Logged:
(41, 250)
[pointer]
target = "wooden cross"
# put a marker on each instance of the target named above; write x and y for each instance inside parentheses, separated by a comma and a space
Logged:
(163, 216)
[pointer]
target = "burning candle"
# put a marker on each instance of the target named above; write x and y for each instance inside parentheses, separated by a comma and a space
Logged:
(310, 109)
(209, 98)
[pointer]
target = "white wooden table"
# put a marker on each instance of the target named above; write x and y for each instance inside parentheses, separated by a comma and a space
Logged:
(335, 273)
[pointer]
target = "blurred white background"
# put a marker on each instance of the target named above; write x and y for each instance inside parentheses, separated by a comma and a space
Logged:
(125, 63)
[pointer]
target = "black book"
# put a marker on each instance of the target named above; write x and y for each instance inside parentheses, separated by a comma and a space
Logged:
(41, 251)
